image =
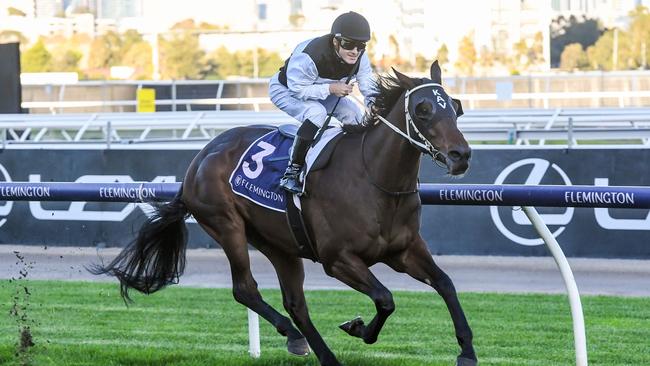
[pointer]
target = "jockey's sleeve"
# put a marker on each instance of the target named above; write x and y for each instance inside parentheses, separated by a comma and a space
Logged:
(365, 78)
(302, 76)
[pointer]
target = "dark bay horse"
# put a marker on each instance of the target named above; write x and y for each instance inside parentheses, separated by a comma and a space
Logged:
(362, 209)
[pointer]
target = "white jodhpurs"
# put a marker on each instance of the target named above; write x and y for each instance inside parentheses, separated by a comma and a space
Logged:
(347, 111)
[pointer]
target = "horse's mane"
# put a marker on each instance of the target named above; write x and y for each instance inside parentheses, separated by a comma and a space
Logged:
(388, 92)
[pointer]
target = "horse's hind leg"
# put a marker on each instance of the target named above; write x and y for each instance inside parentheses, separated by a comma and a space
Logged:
(352, 271)
(291, 276)
(418, 263)
(230, 235)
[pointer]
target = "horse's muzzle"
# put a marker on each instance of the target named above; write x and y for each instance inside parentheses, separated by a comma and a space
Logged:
(457, 160)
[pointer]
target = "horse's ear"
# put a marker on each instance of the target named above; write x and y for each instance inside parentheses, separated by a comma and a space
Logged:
(404, 81)
(458, 107)
(436, 73)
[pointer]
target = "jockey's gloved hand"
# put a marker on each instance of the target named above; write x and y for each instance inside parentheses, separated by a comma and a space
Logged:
(340, 89)
(372, 108)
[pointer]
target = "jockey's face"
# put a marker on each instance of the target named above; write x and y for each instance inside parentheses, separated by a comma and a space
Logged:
(349, 56)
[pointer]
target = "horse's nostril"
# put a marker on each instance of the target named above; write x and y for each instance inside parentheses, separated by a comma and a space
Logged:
(454, 155)
(460, 154)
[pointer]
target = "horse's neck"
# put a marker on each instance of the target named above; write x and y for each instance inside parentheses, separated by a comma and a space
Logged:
(392, 161)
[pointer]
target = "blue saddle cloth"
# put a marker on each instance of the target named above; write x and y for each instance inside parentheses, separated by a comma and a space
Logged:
(257, 175)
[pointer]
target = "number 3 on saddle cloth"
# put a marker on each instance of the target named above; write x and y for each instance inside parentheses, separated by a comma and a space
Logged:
(258, 172)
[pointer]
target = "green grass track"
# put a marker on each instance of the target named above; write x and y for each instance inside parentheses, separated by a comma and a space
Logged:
(80, 323)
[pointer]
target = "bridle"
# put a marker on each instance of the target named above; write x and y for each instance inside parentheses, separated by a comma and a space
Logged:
(424, 146)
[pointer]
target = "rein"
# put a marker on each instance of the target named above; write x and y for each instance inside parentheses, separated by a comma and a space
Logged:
(365, 169)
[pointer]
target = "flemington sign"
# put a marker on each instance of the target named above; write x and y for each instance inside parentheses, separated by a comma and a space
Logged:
(82, 191)
(544, 195)
(454, 223)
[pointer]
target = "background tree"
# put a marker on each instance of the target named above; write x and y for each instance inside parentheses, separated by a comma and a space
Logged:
(181, 57)
(15, 12)
(572, 30)
(219, 64)
(422, 63)
(139, 57)
(296, 20)
(573, 57)
(269, 62)
(639, 36)
(65, 60)
(443, 56)
(535, 53)
(190, 25)
(600, 54)
(466, 55)
(129, 39)
(105, 51)
(185, 24)
(210, 26)
(520, 55)
(370, 48)
(394, 49)
(36, 59)
(9, 36)
(487, 58)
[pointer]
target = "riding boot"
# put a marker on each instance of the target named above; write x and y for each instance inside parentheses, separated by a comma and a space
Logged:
(291, 179)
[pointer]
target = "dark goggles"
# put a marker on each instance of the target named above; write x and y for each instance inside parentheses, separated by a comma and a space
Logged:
(350, 44)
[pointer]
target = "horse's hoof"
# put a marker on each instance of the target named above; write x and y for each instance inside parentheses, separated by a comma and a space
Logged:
(462, 361)
(354, 327)
(298, 347)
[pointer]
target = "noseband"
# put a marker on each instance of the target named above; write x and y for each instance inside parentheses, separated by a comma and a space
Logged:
(423, 145)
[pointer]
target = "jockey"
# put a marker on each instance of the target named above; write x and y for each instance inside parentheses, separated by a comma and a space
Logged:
(313, 78)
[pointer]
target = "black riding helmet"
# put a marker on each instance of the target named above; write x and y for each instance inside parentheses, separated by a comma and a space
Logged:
(353, 26)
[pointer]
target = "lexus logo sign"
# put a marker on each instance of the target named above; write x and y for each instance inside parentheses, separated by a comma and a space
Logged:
(540, 169)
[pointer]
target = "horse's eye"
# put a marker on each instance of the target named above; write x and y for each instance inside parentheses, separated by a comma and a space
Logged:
(424, 110)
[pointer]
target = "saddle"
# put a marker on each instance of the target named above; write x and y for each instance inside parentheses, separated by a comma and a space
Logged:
(257, 176)
(323, 158)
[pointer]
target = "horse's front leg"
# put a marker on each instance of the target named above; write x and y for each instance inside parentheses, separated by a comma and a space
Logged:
(352, 271)
(418, 263)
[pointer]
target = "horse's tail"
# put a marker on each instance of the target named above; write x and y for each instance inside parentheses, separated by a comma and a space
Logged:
(156, 258)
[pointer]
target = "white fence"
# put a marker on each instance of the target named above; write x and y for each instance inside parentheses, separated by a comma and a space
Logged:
(553, 90)
(569, 127)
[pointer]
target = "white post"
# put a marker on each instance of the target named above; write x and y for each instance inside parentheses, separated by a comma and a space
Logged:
(254, 334)
(580, 339)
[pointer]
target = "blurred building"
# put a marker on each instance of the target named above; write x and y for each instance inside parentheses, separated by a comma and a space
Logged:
(513, 21)
(43, 18)
(80, 6)
(397, 26)
(118, 9)
(48, 8)
(612, 13)
(402, 30)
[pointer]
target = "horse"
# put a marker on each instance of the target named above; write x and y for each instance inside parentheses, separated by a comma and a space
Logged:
(362, 209)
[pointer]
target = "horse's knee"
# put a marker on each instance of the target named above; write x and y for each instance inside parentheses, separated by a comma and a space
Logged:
(384, 303)
(245, 294)
(295, 307)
